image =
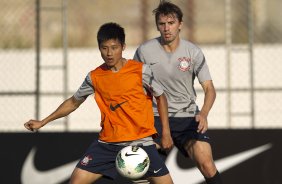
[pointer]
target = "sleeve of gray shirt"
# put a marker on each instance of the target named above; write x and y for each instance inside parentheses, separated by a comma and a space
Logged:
(85, 89)
(149, 83)
(201, 68)
(138, 56)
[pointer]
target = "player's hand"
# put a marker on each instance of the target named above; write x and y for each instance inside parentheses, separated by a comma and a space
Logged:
(166, 142)
(33, 125)
(203, 123)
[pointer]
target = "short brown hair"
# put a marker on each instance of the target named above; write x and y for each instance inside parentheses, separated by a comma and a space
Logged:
(167, 8)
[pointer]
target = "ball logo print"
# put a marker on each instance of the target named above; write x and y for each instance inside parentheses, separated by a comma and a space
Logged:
(132, 162)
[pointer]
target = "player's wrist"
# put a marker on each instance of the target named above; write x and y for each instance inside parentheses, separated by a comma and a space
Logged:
(166, 134)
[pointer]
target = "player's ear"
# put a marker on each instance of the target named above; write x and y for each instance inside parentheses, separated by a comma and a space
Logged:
(123, 47)
(180, 25)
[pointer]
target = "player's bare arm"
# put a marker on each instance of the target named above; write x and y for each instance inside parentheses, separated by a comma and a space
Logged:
(209, 99)
(166, 140)
(63, 110)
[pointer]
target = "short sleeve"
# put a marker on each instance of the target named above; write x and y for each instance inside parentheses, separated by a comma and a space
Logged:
(201, 68)
(85, 89)
(138, 55)
(149, 82)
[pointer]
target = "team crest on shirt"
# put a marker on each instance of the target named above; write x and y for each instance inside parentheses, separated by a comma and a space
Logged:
(86, 160)
(184, 64)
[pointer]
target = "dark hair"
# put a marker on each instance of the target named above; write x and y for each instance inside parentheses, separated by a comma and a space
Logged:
(110, 31)
(167, 8)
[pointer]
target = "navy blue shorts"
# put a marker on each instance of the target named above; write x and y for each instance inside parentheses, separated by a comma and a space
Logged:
(182, 130)
(100, 158)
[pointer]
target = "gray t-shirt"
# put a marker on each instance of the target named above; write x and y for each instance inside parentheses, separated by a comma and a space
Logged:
(176, 72)
(150, 85)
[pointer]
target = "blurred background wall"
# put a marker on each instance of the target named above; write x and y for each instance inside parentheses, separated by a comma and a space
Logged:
(47, 47)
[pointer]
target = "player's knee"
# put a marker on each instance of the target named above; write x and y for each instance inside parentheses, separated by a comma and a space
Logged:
(208, 169)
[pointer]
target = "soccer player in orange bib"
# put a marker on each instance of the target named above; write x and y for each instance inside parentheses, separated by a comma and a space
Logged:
(123, 90)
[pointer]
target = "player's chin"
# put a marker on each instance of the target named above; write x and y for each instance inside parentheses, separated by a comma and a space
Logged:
(168, 40)
(110, 64)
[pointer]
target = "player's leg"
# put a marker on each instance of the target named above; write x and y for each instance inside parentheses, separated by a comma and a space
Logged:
(98, 158)
(80, 176)
(166, 179)
(201, 153)
(194, 145)
(141, 181)
(157, 172)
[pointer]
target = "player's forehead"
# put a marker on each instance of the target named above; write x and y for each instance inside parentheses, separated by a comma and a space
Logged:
(167, 17)
(110, 42)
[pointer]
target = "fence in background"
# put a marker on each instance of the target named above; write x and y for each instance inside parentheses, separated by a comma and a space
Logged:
(47, 48)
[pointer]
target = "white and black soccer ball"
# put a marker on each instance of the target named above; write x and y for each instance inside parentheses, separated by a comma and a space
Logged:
(132, 162)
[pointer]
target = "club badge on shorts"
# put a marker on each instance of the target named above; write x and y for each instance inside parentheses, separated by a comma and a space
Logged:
(86, 160)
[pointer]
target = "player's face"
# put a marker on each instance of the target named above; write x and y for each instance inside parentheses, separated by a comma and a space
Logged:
(111, 52)
(169, 27)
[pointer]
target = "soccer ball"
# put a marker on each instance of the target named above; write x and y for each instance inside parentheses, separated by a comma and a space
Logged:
(132, 162)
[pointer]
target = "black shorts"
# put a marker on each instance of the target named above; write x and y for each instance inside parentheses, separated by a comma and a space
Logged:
(182, 130)
(100, 159)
